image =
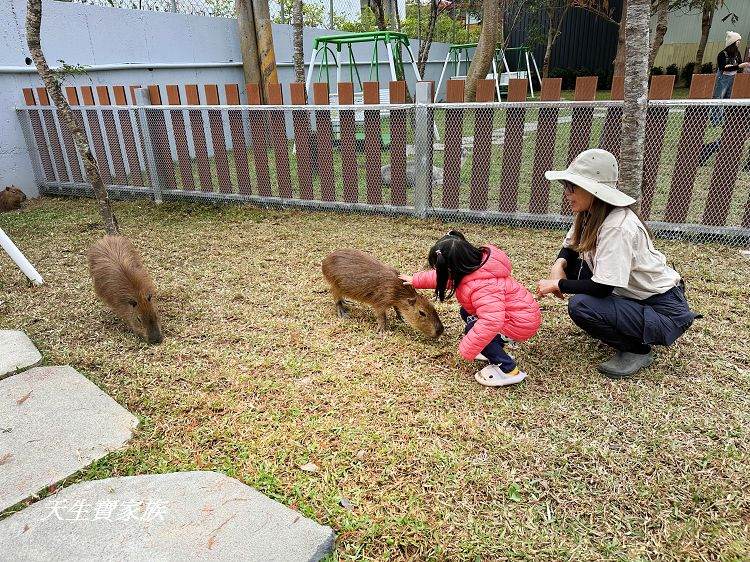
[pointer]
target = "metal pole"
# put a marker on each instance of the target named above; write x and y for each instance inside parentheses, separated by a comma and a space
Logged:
(330, 13)
(174, 6)
(422, 146)
(143, 100)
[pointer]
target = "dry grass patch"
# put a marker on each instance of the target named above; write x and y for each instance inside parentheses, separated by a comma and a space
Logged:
(258, 376)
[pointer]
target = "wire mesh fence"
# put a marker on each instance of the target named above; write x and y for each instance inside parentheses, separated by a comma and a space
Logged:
(476, 162)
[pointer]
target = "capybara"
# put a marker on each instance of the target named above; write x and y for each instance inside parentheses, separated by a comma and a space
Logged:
(121, 281)
(11, 198)
(355, 274)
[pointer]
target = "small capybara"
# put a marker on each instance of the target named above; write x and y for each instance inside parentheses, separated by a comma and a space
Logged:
(121, 281)
(11, 198)
(355, 274)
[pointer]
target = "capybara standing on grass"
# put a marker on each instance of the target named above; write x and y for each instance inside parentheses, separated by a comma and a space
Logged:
(357, 275)
(11, 198)
(121, 281)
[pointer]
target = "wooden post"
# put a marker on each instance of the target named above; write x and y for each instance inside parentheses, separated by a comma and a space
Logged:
(248, 41)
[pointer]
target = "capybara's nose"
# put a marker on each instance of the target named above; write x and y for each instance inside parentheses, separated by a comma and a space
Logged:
(155, 337)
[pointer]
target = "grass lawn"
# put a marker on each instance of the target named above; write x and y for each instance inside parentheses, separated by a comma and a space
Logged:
(258, 376)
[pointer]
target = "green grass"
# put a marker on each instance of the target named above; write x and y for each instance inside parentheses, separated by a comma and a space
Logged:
(258, 376)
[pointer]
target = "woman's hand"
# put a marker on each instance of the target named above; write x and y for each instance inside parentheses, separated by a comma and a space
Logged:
(405, 278)
(744, 64)
(549, 287)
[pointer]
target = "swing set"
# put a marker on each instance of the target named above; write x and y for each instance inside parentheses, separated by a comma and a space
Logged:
(463, 53)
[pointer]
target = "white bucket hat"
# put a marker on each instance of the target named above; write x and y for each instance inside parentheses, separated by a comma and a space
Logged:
(596, 171)
(732, 37)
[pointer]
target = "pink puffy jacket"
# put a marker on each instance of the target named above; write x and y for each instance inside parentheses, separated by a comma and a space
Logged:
(501, 304)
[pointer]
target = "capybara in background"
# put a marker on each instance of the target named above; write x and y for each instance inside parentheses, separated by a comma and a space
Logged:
(11, 198)
(121, 281)
(355, 274)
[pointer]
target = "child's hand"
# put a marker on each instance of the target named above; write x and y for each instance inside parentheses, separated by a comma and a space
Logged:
(405, 278)
(547, 287)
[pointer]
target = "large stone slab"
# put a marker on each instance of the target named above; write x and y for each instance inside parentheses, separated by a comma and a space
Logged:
(178, 516)
(54, 422)
(17, 352)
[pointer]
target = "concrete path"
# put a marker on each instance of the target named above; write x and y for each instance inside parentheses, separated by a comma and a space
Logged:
(17, 352)
(54, 422)
(178, 516)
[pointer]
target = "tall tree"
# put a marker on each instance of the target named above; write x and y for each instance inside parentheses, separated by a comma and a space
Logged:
(51, 82)
(492, 21)
(264, 34)
(556, 10)
(426, 43)
(248, 41)
(299, 47)
(661, 7)
(637, 22)
(708, 9)
(620, 56)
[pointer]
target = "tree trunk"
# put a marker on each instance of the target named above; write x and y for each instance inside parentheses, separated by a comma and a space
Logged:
(299, 49)
(619, 63)
(248, 42)
(33, 24)
(553, 32)
(706, 21)
(662, 13)
(426, 43)
(636, 98)
(377, 6)
(264, 35)
(485, 52)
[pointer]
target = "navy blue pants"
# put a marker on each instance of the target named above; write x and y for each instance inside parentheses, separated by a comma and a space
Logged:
(493, 351)
(629, 324)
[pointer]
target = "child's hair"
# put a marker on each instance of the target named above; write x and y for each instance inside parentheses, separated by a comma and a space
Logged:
(454, 258)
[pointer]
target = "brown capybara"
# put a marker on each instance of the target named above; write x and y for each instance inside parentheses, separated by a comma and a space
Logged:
(121, 281)
(357, 275)
(11, 198)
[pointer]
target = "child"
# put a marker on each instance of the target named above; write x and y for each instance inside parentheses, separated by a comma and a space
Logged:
(493, 304)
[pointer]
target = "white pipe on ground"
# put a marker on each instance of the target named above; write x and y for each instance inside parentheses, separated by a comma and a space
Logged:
(19, 259)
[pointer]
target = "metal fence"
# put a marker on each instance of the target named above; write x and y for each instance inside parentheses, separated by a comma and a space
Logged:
(469, 162)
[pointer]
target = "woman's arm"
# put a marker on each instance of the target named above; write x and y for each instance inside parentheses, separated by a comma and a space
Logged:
(585, 287)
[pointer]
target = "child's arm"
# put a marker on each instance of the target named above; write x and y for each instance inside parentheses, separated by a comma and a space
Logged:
(489, 304)
(425, 280)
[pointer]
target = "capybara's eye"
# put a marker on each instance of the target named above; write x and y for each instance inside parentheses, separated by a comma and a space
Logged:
(422, 313)
(148, 298)
(133, 303)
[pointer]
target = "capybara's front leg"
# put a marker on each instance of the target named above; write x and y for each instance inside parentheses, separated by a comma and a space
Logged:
(380, 314)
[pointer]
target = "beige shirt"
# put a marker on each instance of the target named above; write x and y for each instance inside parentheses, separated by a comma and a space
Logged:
(625, 258)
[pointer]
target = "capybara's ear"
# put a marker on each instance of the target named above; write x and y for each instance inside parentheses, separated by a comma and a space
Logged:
(7, 188)
(412, 300)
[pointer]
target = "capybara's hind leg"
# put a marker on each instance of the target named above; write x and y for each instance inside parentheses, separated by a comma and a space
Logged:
(338, 299)
(341, 308)
(398, 314)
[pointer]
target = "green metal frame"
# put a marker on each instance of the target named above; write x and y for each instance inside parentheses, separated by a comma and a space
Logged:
(346, 40)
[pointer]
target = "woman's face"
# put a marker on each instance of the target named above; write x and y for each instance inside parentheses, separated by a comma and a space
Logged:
(579, 199)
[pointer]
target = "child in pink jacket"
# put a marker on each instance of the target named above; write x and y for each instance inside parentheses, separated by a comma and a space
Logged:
(494, 306)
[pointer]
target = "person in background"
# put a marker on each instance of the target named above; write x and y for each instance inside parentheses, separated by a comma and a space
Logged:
(728, 63)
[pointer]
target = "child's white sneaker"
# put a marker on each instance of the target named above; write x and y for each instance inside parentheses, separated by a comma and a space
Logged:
(493, 375)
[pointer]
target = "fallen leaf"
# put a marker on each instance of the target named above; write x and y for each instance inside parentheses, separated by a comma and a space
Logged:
(24, 398)
(5, 458)
(309, 467)
(346, 504)
(211, 542)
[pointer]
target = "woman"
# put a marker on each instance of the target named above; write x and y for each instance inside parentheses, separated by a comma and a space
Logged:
(624, 294)
(728, 62)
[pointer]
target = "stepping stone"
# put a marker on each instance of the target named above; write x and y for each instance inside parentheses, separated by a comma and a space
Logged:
(17, 353)
(177, 516)
(54, 422)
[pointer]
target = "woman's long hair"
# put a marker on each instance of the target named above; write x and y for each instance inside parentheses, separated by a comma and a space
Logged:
(587, 224)
(453, 258)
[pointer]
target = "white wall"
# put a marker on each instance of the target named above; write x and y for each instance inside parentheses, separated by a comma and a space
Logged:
(95, 36)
